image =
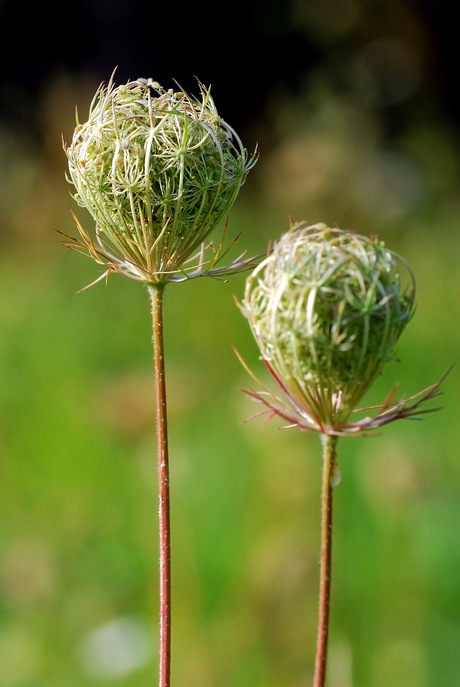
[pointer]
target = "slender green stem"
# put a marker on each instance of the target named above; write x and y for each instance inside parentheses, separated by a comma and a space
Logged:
(329, 463)
(156, 296)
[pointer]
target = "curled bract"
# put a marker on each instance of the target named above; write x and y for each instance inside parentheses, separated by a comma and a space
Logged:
(326, 308)
(157, 170)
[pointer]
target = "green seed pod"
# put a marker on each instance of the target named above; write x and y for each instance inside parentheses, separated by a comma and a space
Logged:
(326, 308)
(157, 170)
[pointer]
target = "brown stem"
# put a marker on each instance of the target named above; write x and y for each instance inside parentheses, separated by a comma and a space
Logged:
(156, 296)
(329, 462)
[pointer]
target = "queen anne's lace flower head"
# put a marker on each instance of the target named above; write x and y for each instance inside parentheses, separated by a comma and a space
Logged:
(326, 308)
(157, 170)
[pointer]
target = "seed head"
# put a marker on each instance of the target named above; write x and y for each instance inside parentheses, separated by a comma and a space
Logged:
(326, 308)
(157, 170)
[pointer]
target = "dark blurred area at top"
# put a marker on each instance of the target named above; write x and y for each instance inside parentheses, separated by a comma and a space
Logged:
(249, 52)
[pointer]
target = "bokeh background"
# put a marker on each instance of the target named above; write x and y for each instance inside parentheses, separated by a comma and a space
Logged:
(354, 107)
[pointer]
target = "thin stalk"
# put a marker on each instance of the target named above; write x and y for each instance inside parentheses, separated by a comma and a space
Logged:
(329, 463)
(164, 528)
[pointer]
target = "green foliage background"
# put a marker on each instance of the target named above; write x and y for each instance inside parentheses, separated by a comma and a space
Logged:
(77, 443)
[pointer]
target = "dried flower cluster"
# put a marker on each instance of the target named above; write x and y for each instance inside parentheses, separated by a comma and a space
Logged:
(157, 170)
(326, 308)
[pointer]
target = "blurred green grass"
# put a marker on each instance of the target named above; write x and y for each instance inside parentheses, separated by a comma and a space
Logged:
(77, 455)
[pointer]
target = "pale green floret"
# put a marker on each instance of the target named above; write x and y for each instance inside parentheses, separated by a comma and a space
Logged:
(326, 308)
(157, 170)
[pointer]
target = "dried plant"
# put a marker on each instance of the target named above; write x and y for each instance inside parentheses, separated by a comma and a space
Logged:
(157, 170)
(326, 308)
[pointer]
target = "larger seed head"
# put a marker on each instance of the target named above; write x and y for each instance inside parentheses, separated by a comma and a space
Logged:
(157, 170)
(326, 308)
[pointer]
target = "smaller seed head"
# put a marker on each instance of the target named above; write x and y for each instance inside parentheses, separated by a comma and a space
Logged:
(326, 308)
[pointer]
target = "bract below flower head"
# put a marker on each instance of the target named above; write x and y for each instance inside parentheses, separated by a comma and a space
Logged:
(326, 308)
(157, 170)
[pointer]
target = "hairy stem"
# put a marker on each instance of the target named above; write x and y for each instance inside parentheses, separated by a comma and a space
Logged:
(329, 463)
(156, 296)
